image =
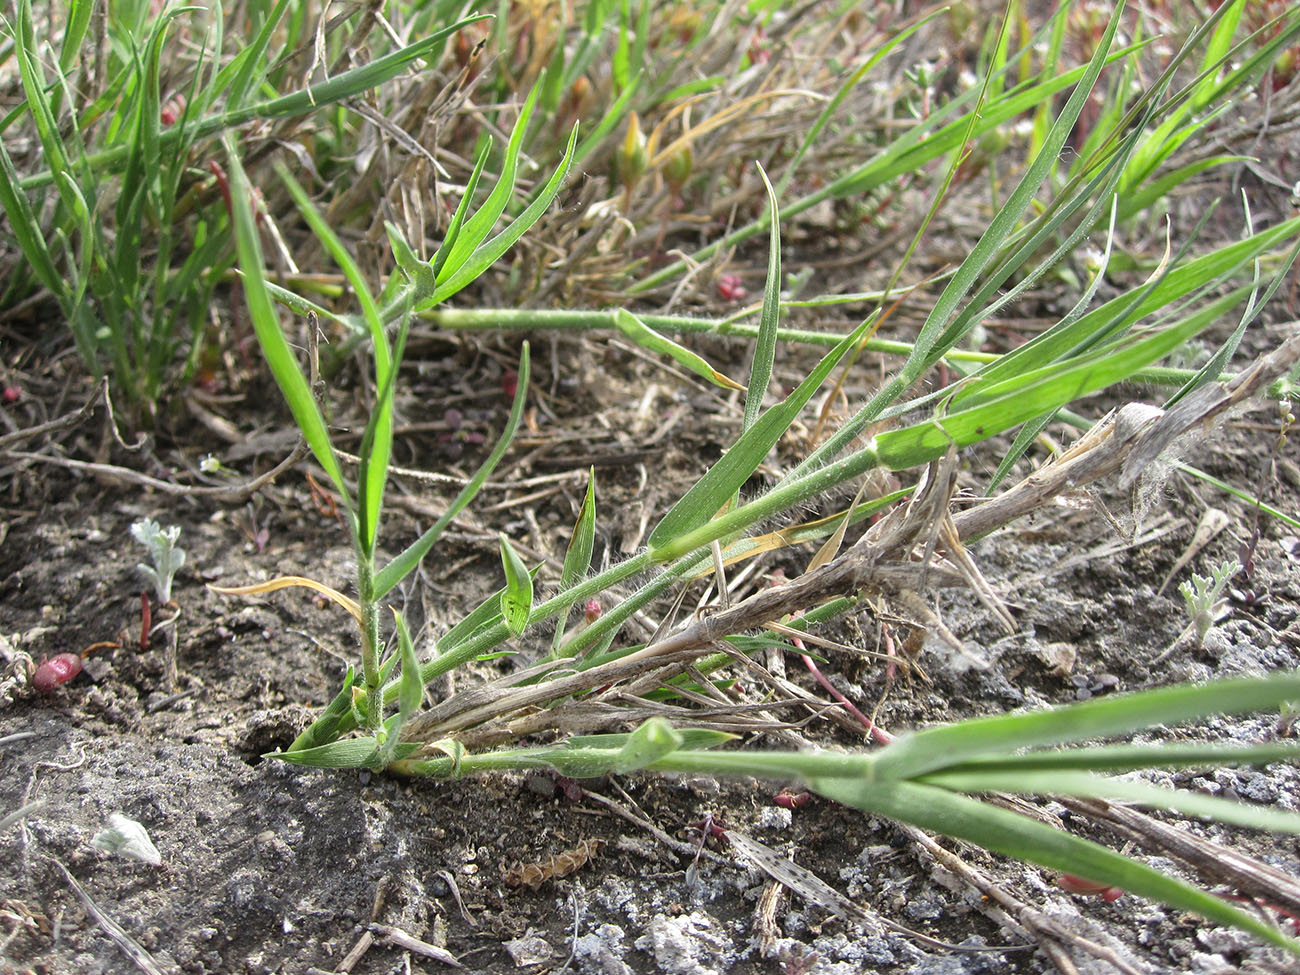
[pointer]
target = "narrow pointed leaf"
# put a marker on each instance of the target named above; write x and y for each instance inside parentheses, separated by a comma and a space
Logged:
(1088, 786)
(410, 692)
(725, 478)
(458, 218)
(652, 341)
(475, 230)
(1020, 400)
(945, 746)
(577, 559)
(373, 475)
(1129, 758)
(405, 563)
(1002, 831)
(760, 370)
(491, 251)
(266, 325)
(1004, 221)
(517, 599)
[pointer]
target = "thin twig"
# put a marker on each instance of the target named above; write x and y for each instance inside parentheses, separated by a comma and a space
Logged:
(62, 423)
(124, 475)
(676, 845)
(128, 945)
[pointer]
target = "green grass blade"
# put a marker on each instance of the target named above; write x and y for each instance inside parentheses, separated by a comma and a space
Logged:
(1142, 198)
(948, 745)
(488, 253)
(373, 476)
(651, 741)
(341, 86)
(1122, 311)
(652, 341)
(410, 691)
(910, 152)
(26, 228)
(458, 218)
(1017, 401)
(833, 106)
(1018, 836)
(1215, 53)
(1219, 361)
(239, 73)
(721, 481)
(1129, 758)
(1004, 221)
(275, 347)
(1085, 785)
(477, 227)
(760, 370)
(34, 87)
(74, 33)
(405, 563)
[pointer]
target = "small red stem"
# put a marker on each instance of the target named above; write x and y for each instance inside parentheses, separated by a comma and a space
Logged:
(146, 621)
(879, 734)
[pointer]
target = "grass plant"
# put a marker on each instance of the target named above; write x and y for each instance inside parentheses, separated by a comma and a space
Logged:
(1102, 144)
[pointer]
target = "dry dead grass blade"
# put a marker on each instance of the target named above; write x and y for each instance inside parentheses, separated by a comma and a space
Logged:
(289, 582)
(1213, 861)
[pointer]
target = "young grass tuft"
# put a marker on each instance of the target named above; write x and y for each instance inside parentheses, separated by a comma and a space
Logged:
(131, 223)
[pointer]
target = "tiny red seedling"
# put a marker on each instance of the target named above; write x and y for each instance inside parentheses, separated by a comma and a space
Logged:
(146, 621)
(730, 288)
(792, 800)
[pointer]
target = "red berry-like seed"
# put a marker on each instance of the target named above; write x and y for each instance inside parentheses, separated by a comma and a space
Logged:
(591, 610)
(12, 394)
(57, 670)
